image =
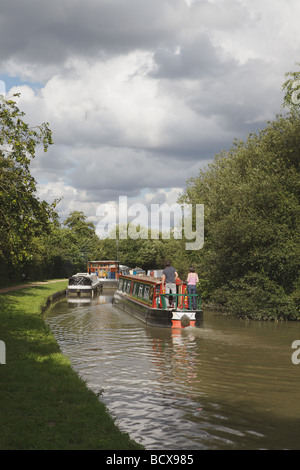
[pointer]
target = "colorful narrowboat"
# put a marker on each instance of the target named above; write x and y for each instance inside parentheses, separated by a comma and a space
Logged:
(144, 298)
(107, 272)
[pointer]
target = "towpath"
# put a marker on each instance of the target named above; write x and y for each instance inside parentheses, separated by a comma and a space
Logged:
(32, 284)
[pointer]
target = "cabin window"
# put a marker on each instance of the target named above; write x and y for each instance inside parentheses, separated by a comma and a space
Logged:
(135, 289)
(146, 292)
(140, 293)
(151, 293)
(128, 287)
(120, 284)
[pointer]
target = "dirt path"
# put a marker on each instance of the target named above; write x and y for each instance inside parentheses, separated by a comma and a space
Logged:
(23, 286)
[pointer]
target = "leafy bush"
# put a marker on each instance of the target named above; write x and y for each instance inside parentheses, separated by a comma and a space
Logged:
(255, 296)
(251, 254)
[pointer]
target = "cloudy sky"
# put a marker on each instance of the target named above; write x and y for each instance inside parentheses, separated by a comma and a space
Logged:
(141, 94)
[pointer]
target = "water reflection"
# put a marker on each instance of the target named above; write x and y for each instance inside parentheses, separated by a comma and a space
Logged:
(228, 385)
(82, 300)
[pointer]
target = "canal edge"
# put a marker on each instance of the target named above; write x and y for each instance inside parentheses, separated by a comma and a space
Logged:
(51, 298)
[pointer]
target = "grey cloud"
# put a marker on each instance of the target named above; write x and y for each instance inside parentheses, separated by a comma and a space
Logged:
(196, 60)
(202, 98)
(228, 98)
(159, 198)
(52, 31)
(127, 172)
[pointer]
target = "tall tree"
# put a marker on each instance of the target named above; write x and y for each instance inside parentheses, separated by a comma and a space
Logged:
(80, 240)
(22, 215)
(251, 256)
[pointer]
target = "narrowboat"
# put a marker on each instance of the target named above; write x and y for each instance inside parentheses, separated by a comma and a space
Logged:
(83, 283)
(144, 298)
(107, 272)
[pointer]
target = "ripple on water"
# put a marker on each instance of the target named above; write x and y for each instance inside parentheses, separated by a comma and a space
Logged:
(228, 385)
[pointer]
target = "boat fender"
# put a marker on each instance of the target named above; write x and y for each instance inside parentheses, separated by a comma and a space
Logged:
(185, 321)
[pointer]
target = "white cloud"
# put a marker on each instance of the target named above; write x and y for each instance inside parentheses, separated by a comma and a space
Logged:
(142, 94)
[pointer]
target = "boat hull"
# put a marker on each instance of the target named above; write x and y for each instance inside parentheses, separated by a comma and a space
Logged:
(109, 284)
(82, 290)
(158, 317)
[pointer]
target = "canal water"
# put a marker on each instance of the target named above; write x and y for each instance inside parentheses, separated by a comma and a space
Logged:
(231, 384)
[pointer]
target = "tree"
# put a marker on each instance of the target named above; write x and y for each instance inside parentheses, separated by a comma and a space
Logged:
(22, 215)
(77, 222)
(251, 257)
(80, 241)
(144, 252)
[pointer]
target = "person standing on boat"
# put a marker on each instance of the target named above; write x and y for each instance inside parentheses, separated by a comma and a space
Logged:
(192, 280)
(169, 276)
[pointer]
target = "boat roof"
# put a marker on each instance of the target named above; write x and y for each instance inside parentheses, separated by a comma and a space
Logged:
(104, 261)
(82, 275)
(137, 277)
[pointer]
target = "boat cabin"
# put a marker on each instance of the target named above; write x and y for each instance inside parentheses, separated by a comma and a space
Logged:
(140, 288)
(104, 269)
(150, 292)
(83, 283)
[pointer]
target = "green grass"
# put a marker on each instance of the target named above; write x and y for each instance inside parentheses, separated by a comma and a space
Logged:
(44, 404)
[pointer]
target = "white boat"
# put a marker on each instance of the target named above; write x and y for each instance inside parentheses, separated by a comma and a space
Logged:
(83, 283)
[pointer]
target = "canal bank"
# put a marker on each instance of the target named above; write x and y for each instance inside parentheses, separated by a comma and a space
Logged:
(44, 403)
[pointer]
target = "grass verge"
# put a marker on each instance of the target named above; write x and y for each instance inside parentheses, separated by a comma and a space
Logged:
(44, 404)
